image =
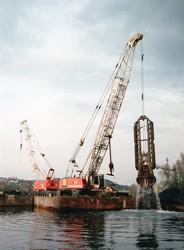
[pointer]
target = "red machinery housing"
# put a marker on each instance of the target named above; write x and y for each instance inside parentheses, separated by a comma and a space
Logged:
(82, 183)
(73, 183)
(48, 184)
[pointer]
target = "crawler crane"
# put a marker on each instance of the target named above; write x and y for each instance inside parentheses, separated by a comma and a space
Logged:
(92, 180)
(48, 183)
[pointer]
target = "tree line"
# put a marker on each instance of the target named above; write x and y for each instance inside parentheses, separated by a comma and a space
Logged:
(172, 176)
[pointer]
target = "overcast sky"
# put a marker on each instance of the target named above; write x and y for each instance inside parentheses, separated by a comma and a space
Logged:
(56, 57)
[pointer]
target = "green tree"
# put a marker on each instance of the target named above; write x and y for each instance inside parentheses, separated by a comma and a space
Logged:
(179, 168)
(165, 174)
(9, 186)
(173, 177)
(133, 190)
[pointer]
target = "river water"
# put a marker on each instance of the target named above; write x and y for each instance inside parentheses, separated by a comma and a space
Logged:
(126, 229)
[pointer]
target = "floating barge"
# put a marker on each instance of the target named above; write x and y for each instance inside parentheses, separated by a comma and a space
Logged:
(16, 200)
(83, 202)
(54, 202)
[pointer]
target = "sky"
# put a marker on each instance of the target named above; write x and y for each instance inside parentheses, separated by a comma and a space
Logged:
(56, 58)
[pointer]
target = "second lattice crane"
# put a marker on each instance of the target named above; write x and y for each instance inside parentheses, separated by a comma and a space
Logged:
(41, 183)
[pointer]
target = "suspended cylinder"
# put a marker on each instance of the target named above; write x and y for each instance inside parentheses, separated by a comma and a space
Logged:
(144, 151)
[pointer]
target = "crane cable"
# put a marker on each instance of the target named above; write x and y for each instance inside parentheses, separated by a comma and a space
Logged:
(94, 115)
(142, 90)
(142, 77)
(101, 101)
(144, 125)
(92, 119)
(39, 148)
(20, 145)
(108, 87)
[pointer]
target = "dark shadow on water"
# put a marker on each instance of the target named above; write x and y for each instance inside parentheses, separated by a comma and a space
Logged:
(147, 241)
(147, 238)
(15, 210)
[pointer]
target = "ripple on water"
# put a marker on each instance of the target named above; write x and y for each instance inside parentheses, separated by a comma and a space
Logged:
(126, 229)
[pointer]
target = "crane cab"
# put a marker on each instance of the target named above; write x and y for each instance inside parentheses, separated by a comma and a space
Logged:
(97, 182)
(49, 184)
(43, 185)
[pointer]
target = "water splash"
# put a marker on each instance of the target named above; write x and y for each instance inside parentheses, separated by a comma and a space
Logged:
(155, 187)
(148, 198)
(139, 197)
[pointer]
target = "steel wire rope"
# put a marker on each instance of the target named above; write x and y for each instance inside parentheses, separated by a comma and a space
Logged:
(94, 115)
(21, 138)
(30, 148)
(142, 76)
(144, 126)
(36, 168)
(91, 121)
(40, 150)
(32, 153)
(21, 144)
(142, 86)
(102, 99)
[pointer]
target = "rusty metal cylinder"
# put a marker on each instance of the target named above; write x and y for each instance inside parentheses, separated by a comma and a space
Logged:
(144, 151)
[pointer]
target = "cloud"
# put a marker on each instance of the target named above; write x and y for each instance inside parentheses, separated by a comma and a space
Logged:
(56, 58)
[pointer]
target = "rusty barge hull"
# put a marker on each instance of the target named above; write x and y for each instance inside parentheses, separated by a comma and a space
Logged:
(84, 202)
(16, 201)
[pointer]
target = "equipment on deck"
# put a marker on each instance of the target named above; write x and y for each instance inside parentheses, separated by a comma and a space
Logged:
(119, 85)
(48, 184)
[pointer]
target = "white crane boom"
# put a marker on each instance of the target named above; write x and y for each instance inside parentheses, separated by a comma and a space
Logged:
(117, 93)
(27, 134)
